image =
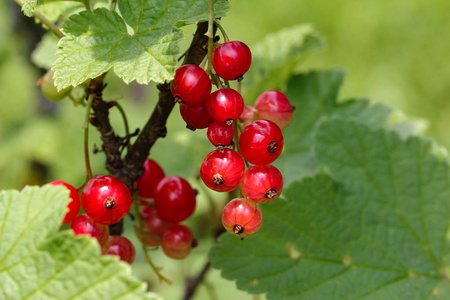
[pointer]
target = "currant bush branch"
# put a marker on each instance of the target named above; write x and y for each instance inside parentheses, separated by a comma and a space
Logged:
(52, 27)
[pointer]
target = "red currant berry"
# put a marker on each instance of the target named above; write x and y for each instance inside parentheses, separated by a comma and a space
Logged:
(232, 60)
(222, 171)
(177, 241)
(146, 184)
(261, 142)
(262, 184)
(220, 134)
(174, 199)
(195, 116)
(248, 115)
(106, 199)
(191, 85)
(149, 238)
(274, 106)
(83, 224)
(241, 217)
(120, 246)
(151, 221)
(74, 204)
(225, 105)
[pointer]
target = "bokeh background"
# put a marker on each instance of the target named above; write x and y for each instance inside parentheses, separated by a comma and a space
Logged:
(395, 52)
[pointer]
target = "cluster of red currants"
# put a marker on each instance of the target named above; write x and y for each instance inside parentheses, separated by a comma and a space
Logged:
(259, 142)
(105, 200)
(166, 201)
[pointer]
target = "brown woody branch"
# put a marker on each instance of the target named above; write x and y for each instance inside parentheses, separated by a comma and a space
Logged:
(129, 168)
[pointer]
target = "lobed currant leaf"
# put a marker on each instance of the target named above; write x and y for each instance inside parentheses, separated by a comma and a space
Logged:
(43, 55)
(376, 228)
(38, 262)
(315, 96)
(275, 58)
(139, 44)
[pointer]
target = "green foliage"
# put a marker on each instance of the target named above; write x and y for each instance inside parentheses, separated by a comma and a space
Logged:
(28, 6)
(139, 44)
(44, 54)
(376, 229)
(38, 262)
(275, 57)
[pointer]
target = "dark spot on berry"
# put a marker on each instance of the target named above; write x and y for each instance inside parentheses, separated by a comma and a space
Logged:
(229, 122)
(220, 148)
(238, 229)
(240, 78)
(191, 128)
(195, 192)
(109, 203)
(194, 243)
(179, 100)
(217, 179)
(272, 147)
(271, 193)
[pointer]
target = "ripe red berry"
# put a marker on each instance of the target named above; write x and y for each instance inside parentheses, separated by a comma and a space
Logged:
(74, 205)
(177, 241)
(152, 221)
(106, 199)
(220, 134)
(149, 238)
(146, 184)
(262, 184)
(222, 171)
(190, 85)
(225, 105)
(120, 246)
(83, 224)
(195, 116)
(274, 106)
(241, 217)
(174, 199)
(248, 115)
(261, 142)
(232, 60)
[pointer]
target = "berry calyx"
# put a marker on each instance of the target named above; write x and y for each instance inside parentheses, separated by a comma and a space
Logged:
(241, 217)
(232, 60)
(174, 199)
(177, 241)
(261, 142)
(146, 184)
(225, 105)
(120, 246)
(220, 134)
(196, 116)
(83, 224)
(222, 171)
(106, 199)
(262, 184)
(190, 85)
(274, 106)
(74, 205)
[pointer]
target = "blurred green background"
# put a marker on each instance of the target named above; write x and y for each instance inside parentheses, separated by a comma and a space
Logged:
(396, 52)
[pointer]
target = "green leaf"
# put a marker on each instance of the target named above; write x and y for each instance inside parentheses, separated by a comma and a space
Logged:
(28, 7)
(37, 262)
(314, 96)
(275, 58)
(139, 44)
(44, 54)
(378, 230)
